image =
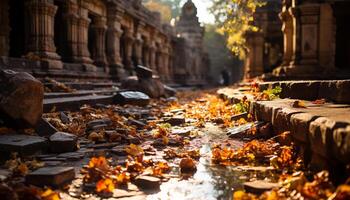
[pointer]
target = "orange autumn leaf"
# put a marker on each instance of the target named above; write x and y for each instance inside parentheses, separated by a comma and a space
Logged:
(105, 185)
(49, 194)
(100, 163)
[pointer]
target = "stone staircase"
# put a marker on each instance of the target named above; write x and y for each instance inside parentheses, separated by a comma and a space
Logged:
(322, 131)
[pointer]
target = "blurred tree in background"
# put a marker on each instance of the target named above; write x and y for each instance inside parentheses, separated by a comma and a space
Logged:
(170, 8)
(234, 18)
(159, 6)
(221, 57)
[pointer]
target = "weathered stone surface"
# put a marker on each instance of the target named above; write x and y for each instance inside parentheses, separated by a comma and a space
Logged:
(143, 72)
(51, 176)
(4, 174)
(148, 182)
(90, 125)
(175, 121)
(259, 187)
(169, 91)
(153, 87)
(44, 128)
(299, 125)
(321, 135)
(119, 151)
(281, 119)
(64, 118)
(130, 83)
(137, 123)
(341, 147)
(61, 142)
(306, 90)
(132, 97)
(21, 98)
(23, 144)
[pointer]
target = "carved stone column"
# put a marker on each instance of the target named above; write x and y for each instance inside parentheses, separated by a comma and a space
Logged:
(145, 52)
(129, 41)
(40, 28)
(254, 62)
(138, 49)
(159, 61)
(152, 56)
(114, 32)
(166, 56)
(99, 28)
(71, 19)
(4, 28)
(287, 29)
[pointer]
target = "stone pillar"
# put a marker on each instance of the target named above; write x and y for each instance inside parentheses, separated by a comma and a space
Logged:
(83, 38)
(327, 38)
(159, 61)
(114, 32)
(71, 19)
(287, 29)
(166, 56)
(129, 41)
(254, 65)
(138, 49)
(40, 28)
(152, 56)
(145, 52)
(4, 28)
(99, 28)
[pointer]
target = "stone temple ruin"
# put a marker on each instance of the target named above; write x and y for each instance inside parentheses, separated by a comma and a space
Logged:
(313, 43)
(99, 40)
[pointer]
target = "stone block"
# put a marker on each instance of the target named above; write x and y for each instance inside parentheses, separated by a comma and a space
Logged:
(51, 176)
(21, 98)
(281, 119)
(321, 135)
(306, 90)
(61, 142)
(327, 90)
(148, 182)
(44, 128)
(22, 144)
(131, 97)
(343, 91)
(299, 126)
(341, 147)
(259, 187)
(143, 72)
(175, 121)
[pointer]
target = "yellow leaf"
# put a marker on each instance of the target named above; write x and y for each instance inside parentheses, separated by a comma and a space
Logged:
(134, 150)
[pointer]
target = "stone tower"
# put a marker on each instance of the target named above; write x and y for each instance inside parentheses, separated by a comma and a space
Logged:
(189, 28)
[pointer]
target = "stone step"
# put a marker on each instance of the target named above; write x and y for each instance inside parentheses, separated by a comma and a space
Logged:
(74, 103)
(321, 130)
(88, 85)
(80, 93)
(337, 91)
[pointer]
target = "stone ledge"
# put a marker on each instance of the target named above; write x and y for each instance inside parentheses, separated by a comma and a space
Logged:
(337, 91)
(321, 131)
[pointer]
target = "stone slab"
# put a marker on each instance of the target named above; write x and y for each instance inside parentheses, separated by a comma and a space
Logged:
(74, 103)
(51, 176)
(23, 144)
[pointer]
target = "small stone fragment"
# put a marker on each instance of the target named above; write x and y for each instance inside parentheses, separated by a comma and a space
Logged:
(143, 72)
(45, 128)
(119, 151)
(51, 176)
(132, 97)
(175, 121)
(259, 187)
(61, 142)
(148, 182)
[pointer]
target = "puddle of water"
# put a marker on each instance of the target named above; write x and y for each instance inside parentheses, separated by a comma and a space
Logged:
(210, 181)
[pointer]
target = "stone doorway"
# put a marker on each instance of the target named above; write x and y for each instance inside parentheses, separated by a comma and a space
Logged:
(342, 51)
(17, 28)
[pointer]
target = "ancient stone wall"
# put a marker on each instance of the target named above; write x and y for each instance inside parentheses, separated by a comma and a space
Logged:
(315, 41)
(95, 39)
